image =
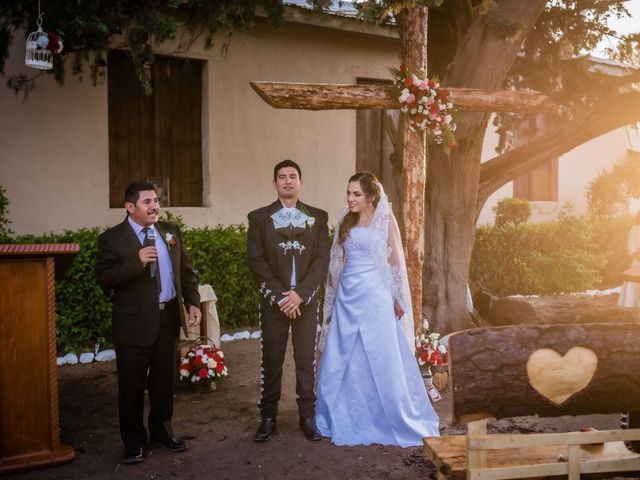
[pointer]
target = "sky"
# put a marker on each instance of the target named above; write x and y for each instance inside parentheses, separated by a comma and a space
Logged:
(626, 25)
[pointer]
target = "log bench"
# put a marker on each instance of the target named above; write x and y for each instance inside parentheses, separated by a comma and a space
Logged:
(544, 370)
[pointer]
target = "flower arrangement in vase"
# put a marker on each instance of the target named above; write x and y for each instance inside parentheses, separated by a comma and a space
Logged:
(203, 366)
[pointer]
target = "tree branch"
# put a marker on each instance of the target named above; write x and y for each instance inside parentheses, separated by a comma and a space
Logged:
(608, 114)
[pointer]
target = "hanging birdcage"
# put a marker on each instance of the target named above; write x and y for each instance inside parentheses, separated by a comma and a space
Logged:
(40, 48)
(38, 55)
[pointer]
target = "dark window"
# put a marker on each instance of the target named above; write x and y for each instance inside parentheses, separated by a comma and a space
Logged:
(157, 136)
(377, 148)
(541, 183)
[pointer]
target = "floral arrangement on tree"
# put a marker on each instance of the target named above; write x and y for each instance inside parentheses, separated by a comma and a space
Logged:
(429, 351)
(203, 364)
(426, 104)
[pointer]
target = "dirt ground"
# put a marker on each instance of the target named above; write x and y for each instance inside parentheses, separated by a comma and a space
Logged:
(219, 428)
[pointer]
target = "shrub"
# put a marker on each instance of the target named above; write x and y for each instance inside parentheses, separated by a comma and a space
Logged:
(548, 258)
(84, 311)
(219, 256)
(610, 236)
(5, 231)
(611, 189)
(511, 210)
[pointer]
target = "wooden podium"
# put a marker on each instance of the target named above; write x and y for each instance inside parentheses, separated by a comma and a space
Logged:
(29, 425)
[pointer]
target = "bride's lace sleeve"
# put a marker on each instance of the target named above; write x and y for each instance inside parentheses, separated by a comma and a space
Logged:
(399, 281)
(336, 263)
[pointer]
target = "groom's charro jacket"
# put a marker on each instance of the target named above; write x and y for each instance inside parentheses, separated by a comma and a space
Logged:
(276, 237)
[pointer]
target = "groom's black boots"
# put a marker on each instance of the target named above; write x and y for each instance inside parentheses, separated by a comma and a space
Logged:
(266, 429)
(308, 426)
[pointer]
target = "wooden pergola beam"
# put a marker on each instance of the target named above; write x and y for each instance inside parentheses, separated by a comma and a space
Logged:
(320, 96)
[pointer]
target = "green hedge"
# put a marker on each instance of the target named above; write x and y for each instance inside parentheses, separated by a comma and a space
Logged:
(84, 311)
(569, 254)
(547, 258)
(219, 257)
(610, 236)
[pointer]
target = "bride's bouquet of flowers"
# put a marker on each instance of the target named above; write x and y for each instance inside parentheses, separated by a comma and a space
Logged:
(203, 366)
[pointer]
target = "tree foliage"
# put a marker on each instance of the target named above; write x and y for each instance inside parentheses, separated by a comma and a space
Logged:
(511, 210)
(90, 27)
(611, 190)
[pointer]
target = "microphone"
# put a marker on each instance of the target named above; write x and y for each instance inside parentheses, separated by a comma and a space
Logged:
(151, 241)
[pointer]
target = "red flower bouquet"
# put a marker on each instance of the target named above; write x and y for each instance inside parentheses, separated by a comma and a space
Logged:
(203, 365)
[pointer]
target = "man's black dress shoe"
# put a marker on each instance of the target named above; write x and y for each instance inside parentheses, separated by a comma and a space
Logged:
(133, 455)
(308, 426)
(266, 429)
(173, 444)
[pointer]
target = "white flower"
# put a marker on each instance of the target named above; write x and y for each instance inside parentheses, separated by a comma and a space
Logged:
(184, 373)
(199, 352)
(404, 95)
(421, 362)
(211, 373)
(311, 221)
(442, 349)
(413, 111)
(434, 335)
(168, 237)
(212, 363)
(195, 379)
(425, 324)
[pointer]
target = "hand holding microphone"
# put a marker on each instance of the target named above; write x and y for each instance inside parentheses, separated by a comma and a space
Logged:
(148, 254)
(151, 242)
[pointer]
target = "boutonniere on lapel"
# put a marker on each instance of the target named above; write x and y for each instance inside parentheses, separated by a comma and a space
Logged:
(169, 240)
(291, 222)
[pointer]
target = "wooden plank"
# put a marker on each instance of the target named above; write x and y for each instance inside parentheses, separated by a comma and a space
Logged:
(498, 441)
(476, 457)
(574, 462)
(320, 96)
(449, 455)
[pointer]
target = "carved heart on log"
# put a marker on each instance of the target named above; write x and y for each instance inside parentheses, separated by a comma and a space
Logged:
(558, 377)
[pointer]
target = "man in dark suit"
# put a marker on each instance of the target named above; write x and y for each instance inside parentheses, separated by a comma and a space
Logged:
(144, 263)
(288, 254)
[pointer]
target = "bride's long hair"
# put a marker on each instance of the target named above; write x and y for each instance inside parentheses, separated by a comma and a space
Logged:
(369, 185)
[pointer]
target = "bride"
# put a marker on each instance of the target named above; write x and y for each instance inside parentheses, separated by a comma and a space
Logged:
(369, 386)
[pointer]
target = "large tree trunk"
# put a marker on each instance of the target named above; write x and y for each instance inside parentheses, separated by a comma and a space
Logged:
(413, 52)
(482, 60)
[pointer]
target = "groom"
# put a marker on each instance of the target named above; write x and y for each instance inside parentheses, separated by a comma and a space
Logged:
(288, 254)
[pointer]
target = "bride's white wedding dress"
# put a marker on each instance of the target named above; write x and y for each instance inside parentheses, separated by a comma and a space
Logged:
(369, 385)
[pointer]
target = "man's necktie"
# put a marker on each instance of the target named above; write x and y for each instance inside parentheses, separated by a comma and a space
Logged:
(154, 267)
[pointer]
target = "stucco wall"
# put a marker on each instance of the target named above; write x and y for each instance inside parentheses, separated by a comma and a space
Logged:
(576, 169)
(54, 147)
